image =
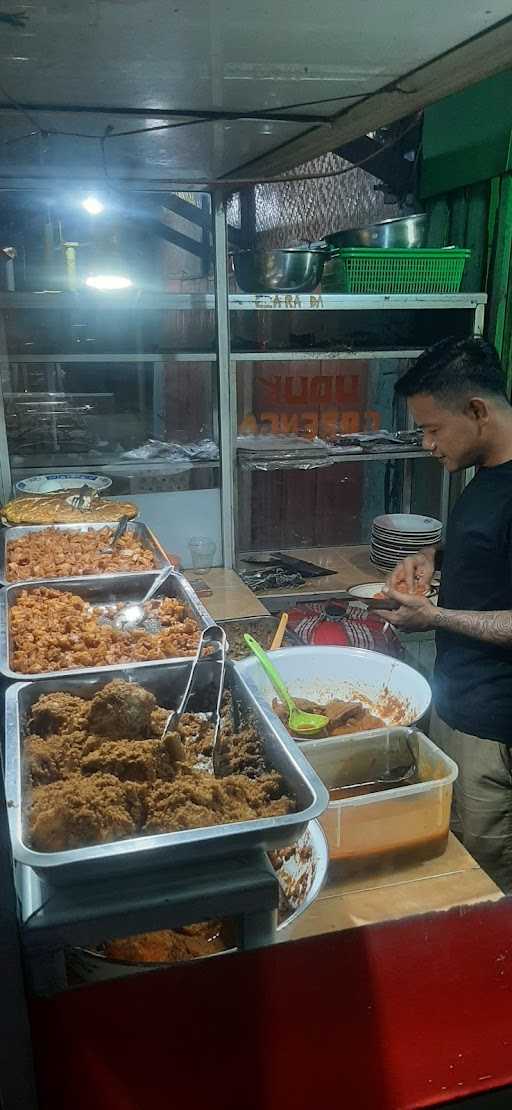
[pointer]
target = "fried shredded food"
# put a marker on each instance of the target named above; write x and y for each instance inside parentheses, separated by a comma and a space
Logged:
(169, 946)
(53, 630)
(79, 811)
(97, 770)
(53, 553)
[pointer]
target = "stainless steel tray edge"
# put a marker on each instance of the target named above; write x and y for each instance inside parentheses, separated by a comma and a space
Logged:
(104, 860)
(183, 590)
(144, 533)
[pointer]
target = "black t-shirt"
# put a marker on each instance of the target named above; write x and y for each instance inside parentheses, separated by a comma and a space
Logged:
(473, 680)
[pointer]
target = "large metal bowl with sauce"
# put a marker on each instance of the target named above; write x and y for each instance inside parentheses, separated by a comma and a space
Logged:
(294, 270)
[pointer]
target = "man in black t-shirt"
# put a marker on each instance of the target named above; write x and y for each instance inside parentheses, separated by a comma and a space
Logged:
(456, 394)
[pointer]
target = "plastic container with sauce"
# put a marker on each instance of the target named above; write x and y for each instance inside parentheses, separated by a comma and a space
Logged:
(408, 812)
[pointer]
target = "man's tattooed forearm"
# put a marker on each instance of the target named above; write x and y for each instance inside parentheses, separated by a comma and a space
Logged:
(492, 628)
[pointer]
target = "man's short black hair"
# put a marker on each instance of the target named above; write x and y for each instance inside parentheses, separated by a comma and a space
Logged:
(454, 368)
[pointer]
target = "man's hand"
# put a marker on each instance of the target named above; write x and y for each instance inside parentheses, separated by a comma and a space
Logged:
(415, 571)
(415, 614)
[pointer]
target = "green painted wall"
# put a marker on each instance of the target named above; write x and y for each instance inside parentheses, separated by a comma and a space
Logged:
(467, 137)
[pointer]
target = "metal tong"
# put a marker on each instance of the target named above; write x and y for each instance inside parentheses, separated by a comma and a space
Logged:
(118, 534)
(215, 635)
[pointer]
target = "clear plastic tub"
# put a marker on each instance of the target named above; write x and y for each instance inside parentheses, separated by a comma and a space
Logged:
(408, 819)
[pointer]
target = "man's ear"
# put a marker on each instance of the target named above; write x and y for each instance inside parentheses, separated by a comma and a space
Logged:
(478, 409)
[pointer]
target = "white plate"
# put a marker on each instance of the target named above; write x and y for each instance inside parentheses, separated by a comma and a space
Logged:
(402, 546)
(393, 552)
(50, 483)
(384, 564)
(370, 589)
(408, 522)
(367, 589)
(427, 541)
(403, 537)
(404, 532)
(392, 547)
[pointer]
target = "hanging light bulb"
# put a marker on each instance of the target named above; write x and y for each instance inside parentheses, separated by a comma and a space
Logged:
(93, 205)
(106, 282)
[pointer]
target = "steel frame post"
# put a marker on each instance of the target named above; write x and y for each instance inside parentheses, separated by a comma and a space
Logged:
(227, 384)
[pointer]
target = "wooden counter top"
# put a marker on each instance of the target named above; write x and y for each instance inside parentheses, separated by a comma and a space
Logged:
(230, 596)
(390, 891)
(351, 566)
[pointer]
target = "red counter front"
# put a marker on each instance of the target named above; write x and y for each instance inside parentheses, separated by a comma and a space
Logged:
(388, 1017)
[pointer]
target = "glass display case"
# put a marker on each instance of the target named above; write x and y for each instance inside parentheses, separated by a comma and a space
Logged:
(323, 445)
(218, 413)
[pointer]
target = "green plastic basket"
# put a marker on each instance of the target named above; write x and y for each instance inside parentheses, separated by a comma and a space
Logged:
(381, 270)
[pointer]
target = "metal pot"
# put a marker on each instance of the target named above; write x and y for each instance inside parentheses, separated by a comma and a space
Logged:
(403, 231)
(295, 270)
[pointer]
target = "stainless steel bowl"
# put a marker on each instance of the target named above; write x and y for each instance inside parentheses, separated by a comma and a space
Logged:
(296, 270)
(403, 231)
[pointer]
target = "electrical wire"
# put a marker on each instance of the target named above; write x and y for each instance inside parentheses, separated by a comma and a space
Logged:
(19, 108)
(231, 182)
(234, 183)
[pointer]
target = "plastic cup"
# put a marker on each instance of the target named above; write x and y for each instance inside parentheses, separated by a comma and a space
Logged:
(202, 552)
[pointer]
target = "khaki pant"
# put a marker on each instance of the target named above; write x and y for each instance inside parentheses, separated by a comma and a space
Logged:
(482, 801)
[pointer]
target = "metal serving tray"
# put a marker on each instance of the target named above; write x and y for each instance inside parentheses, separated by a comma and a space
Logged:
(262, 627)
(166, 849)
(136, 528)
(98, 591)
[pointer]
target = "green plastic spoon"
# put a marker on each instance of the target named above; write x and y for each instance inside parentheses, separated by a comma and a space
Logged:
(307, 723)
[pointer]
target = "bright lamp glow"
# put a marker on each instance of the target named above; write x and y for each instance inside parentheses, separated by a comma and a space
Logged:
(105, 282)
(93, 206)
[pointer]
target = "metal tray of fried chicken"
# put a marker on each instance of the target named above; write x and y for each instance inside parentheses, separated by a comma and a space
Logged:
(98, 591)
(134, 528)
(157, 850)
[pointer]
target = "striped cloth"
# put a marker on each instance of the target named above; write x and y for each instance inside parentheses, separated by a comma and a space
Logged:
(344, 624)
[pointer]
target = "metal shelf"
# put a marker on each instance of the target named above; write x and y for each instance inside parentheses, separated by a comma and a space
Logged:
(313, 355)
(324, 356)
(157, 359)
(61, 300)
(130, 465)
(241, 301)
(55, 918)
(263, 462)
(353, 301)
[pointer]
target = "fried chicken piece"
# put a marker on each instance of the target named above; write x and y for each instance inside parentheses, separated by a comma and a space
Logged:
(42, 760)
(130, 760)
(53, 553)
(50, 760)
(82, 811)
(52, 713)
(53, 630)
(121, 711)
